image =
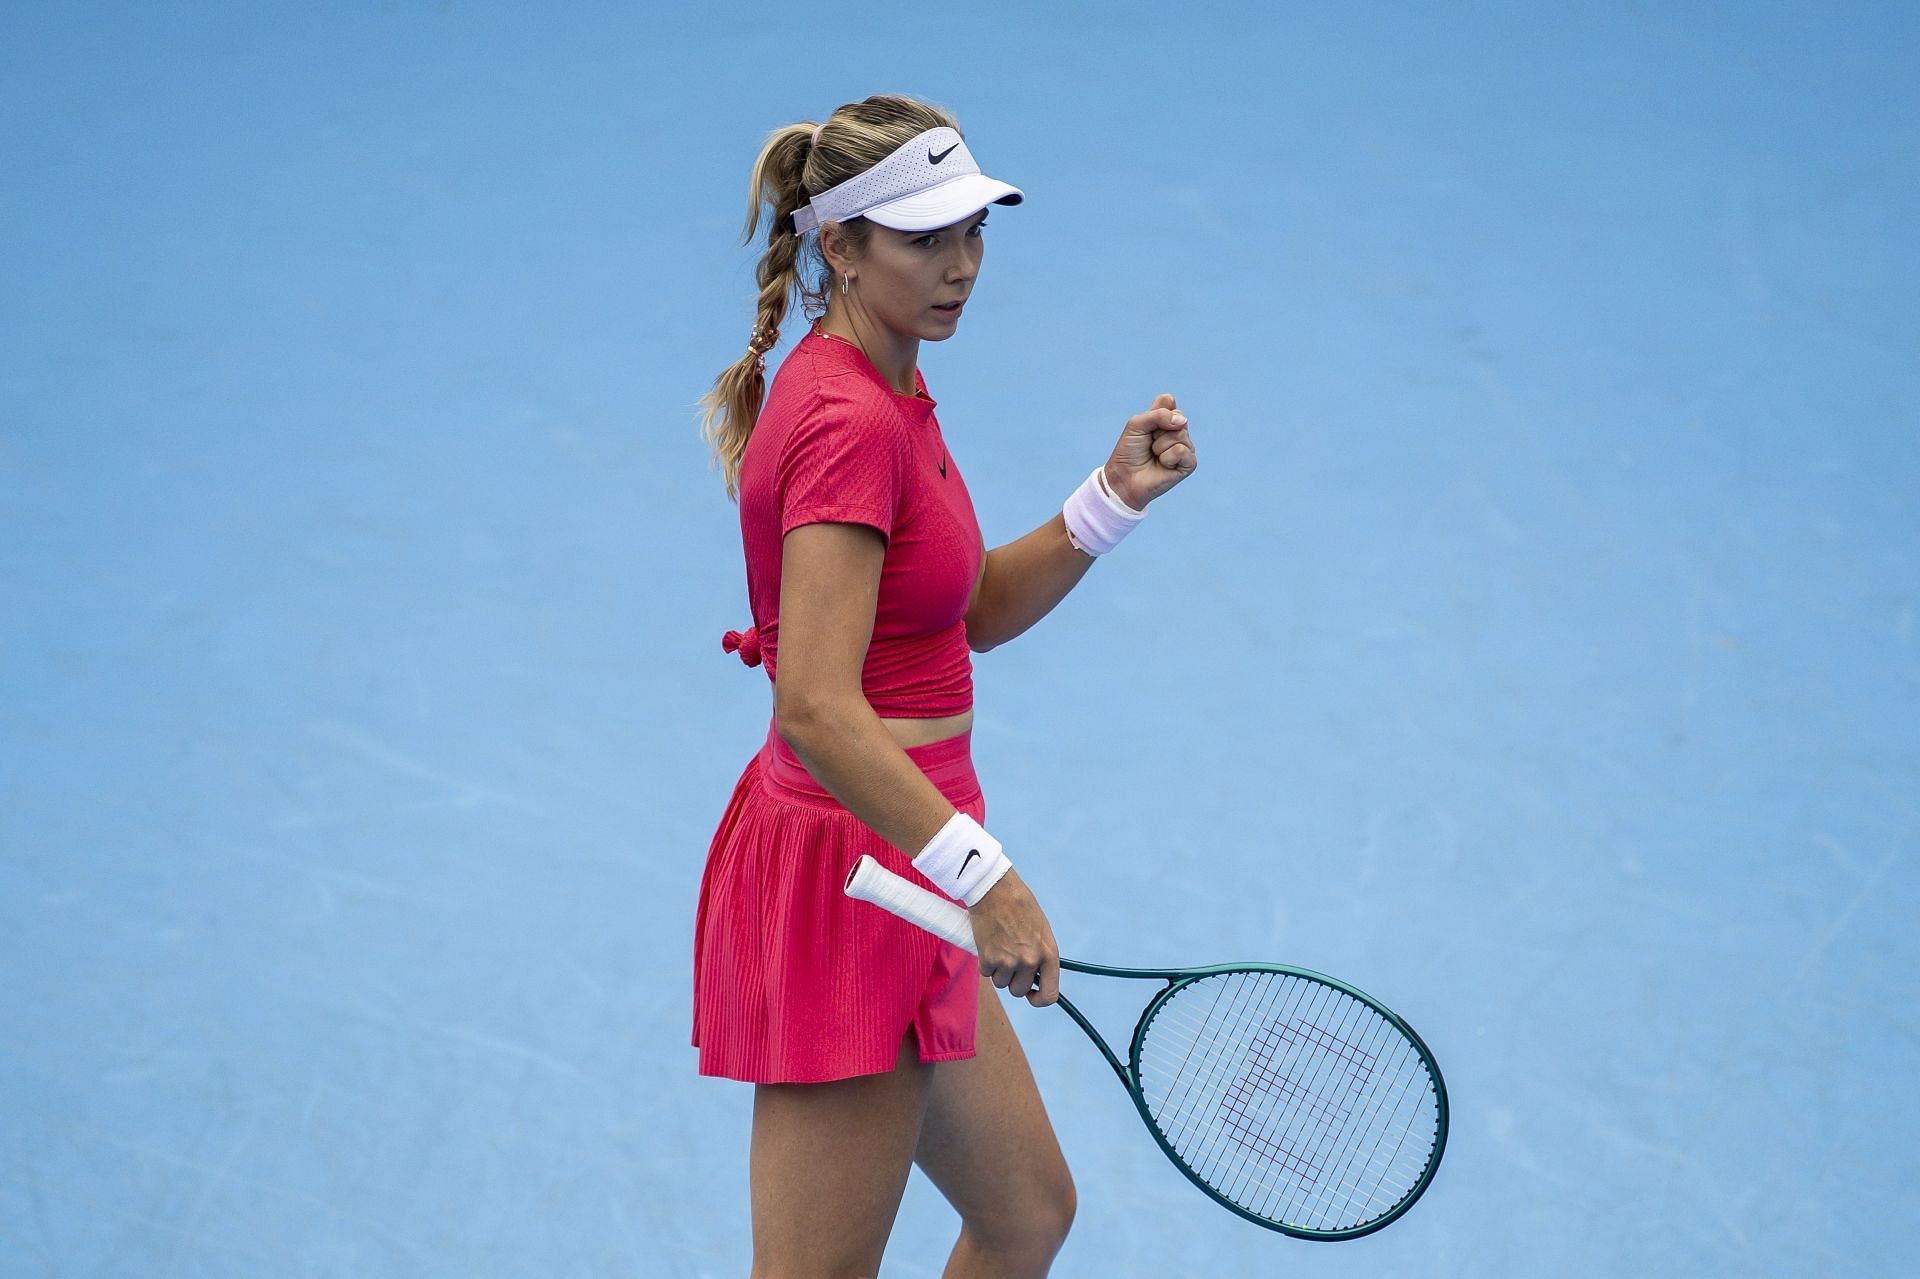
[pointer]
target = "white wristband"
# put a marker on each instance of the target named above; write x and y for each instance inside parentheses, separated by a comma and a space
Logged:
(962, 859)
(1096, 519)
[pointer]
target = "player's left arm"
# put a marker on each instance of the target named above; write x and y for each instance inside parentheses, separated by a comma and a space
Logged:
(1019, 583)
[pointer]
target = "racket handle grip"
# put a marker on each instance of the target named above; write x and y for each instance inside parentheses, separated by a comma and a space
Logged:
(872, 882)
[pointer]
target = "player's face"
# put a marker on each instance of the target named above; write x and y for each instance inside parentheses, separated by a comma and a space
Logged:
(907, 275)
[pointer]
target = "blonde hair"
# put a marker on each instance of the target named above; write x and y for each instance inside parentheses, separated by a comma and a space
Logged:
(791, 169)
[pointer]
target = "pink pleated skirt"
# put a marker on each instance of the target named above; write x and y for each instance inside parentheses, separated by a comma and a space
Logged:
(794, 981)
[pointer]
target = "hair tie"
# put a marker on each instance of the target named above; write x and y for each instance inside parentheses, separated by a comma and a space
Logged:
(816, 133)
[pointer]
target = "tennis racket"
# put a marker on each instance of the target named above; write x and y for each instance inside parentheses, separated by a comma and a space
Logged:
(1293, 1099)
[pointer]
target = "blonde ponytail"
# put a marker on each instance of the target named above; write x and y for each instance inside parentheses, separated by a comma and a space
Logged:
(796, 162)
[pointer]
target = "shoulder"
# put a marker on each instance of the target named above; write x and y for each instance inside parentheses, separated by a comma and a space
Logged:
(807, 382)
(843, 405)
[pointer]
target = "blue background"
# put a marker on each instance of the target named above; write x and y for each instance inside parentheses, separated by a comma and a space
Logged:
(1534, 646)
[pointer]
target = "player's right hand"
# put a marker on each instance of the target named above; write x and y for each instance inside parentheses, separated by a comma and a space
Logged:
(1015, 942)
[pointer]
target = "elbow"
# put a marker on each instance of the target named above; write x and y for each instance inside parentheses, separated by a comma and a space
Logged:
(797, 715)
(789, 716)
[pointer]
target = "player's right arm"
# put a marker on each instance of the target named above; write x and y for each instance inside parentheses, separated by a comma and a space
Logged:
(829, 589)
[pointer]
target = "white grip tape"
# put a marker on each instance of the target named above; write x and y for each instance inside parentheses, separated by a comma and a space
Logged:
(1096, 519)
(872, 882)
(962, 859)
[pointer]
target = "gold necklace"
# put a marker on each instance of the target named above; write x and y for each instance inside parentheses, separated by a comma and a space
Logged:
(914, 394)
(836, 337)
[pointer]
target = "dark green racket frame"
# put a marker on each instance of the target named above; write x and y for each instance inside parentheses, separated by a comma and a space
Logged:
(1129, 1075)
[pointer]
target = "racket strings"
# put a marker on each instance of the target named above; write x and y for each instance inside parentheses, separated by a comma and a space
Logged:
(1246, 1144)
(1327, 1200)
(1289, 1097)
(1246, 1113)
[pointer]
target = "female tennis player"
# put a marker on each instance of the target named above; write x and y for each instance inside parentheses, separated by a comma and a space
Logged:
(874, 1045)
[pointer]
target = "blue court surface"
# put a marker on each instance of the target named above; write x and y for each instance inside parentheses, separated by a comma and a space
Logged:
(1535, 647)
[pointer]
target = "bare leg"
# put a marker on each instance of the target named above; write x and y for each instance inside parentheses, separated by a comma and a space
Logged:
(986, 1142)
(829, 1164)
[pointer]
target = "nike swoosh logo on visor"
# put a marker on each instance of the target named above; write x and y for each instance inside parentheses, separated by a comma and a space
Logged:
(935, 159)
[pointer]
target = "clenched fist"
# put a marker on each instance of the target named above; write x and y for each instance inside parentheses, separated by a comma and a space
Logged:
(1155, 453)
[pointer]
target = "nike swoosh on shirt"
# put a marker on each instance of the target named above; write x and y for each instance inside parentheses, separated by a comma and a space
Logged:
(943, 466)
(935, 159)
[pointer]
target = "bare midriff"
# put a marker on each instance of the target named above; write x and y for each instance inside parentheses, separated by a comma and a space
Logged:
(918, 732)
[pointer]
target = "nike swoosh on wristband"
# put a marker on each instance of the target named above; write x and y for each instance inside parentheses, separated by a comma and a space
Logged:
(935, 159)
(971, 854)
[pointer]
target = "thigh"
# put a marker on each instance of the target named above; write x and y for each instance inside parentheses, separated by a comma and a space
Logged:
(986, 1141)
(830, 1161)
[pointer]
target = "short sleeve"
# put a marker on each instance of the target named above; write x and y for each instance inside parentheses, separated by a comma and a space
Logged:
(842, 465)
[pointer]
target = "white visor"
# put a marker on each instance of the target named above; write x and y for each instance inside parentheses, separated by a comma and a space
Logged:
(930, 182)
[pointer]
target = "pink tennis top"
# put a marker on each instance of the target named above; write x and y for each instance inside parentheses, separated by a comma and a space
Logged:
(836, 443)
